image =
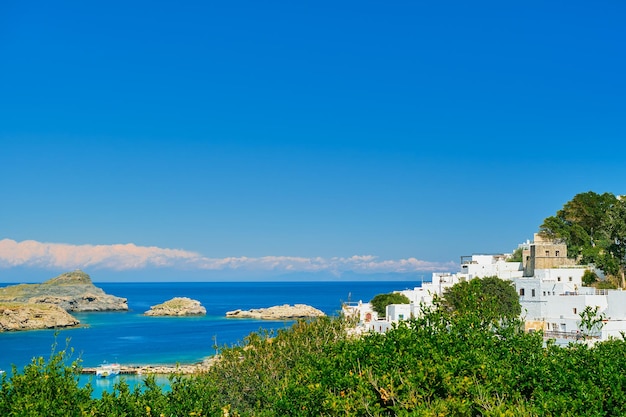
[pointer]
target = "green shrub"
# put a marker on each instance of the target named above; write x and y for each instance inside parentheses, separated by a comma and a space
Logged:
(45, 388)
(381, 301)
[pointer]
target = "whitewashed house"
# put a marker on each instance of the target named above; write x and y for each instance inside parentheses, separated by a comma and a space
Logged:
(366, 317)
(549, 286)
(421, 296)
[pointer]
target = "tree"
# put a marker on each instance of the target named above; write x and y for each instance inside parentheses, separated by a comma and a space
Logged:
(589, 278)
(381, 301)
(591, 322)
(617, 233)
(582, 224)
(491, 298)
(594, 228)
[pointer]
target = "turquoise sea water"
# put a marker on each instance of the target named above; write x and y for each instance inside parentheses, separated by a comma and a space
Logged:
(131, 338)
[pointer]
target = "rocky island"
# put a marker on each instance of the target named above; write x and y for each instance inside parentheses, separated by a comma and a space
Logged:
(178, 306)
(284, 312)
(24, 316)
(72, 291)
(46, 305)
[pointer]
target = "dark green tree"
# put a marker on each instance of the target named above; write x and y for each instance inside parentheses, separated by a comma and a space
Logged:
(617, 233)
(381, 301)
(589, 278)
(594, 228)
(491, 298)
(583, 224)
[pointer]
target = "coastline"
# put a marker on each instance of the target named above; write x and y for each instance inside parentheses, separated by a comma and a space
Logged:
(158, 344)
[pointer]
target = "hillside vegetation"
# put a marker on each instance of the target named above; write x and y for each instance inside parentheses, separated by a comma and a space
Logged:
(443, 363)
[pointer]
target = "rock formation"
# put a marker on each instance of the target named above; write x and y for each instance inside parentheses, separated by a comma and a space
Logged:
(72, 291)
(178, 306)
(46, 305)
(22, 316)
(284, 312)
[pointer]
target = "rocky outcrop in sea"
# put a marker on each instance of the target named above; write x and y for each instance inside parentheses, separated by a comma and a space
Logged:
(284, 312)
(72, 291)
(178, 306)
(47, 305)
(22, 316)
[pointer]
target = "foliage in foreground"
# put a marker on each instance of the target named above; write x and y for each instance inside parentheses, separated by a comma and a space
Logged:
(438, 364)
(45, 388)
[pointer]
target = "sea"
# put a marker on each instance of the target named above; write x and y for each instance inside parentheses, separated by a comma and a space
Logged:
(130, 338)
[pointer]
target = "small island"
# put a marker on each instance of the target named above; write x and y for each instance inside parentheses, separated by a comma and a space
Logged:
(178, 306)
(284, 312)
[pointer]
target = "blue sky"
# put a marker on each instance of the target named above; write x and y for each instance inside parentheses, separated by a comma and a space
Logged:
(312, 140)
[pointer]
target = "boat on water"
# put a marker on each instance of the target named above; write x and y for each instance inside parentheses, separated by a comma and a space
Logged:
(108, 369)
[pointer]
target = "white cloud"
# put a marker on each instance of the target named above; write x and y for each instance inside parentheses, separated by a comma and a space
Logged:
(121, 257)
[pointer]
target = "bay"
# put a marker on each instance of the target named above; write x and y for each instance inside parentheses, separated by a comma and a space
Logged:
(131, 338)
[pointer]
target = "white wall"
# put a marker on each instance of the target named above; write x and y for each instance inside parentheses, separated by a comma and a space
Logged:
(397, 312)
(491, 265)
(616, 300)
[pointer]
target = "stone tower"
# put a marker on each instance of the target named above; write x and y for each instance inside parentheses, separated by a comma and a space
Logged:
(545, 254)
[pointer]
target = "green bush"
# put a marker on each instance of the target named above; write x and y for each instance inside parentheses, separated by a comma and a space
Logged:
(45, 388)
(491, 298)
(381, 301)
(589, 278)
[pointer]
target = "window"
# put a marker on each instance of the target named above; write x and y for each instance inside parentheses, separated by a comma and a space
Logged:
(544, 293)
(570, 279)
(574, 310)
(400, 316)
(532, 292)
(556, 253)
(521, 292)
(558, 279)
(547, 253)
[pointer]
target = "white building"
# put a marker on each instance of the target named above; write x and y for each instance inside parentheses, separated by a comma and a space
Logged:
(549, 286)
(367, 318)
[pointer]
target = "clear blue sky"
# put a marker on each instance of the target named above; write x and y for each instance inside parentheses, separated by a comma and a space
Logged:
(298, 132)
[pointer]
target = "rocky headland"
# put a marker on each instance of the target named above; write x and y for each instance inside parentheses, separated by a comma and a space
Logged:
(284, 312)
(22, 316)
(177, 306)
(72, 291)
(47, 305)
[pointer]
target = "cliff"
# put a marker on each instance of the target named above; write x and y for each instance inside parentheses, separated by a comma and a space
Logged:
(20, 316)
(284, 312)
(72, 291)
(178, 306)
